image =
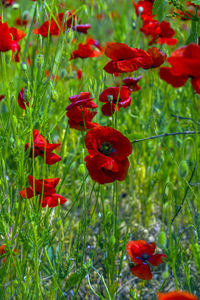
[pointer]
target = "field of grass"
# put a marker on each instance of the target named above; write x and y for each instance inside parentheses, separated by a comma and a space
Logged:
(77, 250)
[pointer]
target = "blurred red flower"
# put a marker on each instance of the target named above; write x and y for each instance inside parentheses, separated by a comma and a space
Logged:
(9, 38)
(176, 295)
(55, 26)
(125, 59)
(161, 33)
(8, 2)
(91, 48)
(143, 8)
(80, 118)
(43, 148)
(185, 62)
(108, 150)
(83, 99)
(113, 100)
(2, 249)
(46, 189)
(158, 58)
(131, 82)
(21, 100)
(141, 253)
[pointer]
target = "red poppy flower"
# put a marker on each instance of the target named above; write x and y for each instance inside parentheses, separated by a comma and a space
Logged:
(46, 189)
(83, 28)
(141, 253)
(21, 22)
(185, 62)
(125, 59)
(43, 148)
(161, 33)
(114, 100)
(143, 8)
(21, 100)
(108, 151)
(8, 2)
(91, 48)
(80, 118)
(176, 295)
(44, 29)
(158, 58)
(2, 249)
(83, 99)
(9, 38)
(79, 74)
(131, 82)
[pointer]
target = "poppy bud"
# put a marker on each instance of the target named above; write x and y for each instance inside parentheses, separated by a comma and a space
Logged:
(165, 275)
(110, 98)
(81, 169)
(58, 224)
(140, 9)
(23, 66)
(63, 73)
(162, 239)
(25, 15)
(39, 60)
(15, 6)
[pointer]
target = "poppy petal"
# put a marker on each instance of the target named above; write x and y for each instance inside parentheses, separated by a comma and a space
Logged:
(142, 271)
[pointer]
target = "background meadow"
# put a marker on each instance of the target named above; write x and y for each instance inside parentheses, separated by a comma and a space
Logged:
(78, 250)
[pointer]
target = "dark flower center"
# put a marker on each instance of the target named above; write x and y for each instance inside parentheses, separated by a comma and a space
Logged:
(145, 257)
(106, 148)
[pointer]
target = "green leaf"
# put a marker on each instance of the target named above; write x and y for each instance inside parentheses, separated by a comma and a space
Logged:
(159, 8)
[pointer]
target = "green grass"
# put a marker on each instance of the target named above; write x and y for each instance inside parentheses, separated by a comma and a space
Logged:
(77, 251)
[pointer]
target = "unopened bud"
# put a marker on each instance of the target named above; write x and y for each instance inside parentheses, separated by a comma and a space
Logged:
(23, 66)
(39, 60)
(25, 15)
(15, 6)
(110, 98)
(140, 9)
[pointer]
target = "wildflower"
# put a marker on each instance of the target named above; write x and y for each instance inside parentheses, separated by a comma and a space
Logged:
(91, 48)
(21, 100)
(2, 250)
(176, 295)
(158, 58)
(43, 148)
(143, 8)
(125, 59)
(108, 151)
(80, 118)
(9, 38)
(83, 28)
(8, 2)
(46, 189)
(83, 99)
(115, 98)
(131, 82)
(79, 74)
(161, 33)
(185, 62)
(141, 253)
